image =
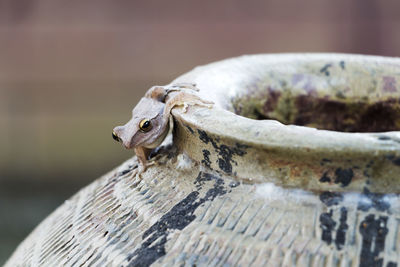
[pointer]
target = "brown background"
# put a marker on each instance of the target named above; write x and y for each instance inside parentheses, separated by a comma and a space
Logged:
(71, 70)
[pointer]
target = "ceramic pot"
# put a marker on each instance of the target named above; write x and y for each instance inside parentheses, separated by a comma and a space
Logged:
(297, 164)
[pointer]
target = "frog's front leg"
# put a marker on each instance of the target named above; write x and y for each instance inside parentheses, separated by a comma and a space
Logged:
(197, 101)
(185, 99)
(142, 154)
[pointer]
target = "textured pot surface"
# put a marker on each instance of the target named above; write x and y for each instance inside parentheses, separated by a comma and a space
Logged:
(234, 191)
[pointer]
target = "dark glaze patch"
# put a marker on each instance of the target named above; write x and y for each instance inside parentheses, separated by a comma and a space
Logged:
(202, 179)
(342, 229)
(373, 232)
(325, 69)
(204, 137)
(384, 138)
(126, 171)
(206, 158)
(234, 184)
(377, 201)
(343, 176)
(225, 152)
(394, 160)
(330, 198)
(327, 225)
(391, 264)
(189, 128)
(122, 173)
(325, 178)
(224, 162)
(180, 216)
(342, 65)
(272, 102)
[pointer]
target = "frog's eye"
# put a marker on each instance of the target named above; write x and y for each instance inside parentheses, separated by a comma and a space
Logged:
(145, 125)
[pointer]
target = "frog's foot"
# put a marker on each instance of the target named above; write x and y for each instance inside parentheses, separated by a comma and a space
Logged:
(197, 102)
(143, 167)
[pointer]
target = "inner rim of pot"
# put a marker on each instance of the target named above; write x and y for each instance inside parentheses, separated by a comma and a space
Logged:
(339, 92)
(323, 112)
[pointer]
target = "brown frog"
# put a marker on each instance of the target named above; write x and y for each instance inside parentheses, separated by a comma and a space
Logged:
(150, 118)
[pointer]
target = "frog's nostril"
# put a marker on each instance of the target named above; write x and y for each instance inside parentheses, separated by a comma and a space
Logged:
(115, 137)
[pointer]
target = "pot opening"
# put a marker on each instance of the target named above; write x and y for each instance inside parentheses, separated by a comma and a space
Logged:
(329, 113)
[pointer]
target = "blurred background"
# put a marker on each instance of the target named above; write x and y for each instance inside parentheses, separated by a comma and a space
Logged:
(72, 70)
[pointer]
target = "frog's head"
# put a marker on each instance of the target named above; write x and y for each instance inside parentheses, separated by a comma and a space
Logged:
(147, 128)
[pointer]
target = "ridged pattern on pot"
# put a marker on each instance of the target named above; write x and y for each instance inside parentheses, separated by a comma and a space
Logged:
(194, 217)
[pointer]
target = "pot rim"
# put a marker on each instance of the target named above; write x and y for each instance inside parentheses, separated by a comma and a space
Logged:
(305, 147)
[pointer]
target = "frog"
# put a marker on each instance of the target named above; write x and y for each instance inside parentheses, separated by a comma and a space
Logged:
(150, 122)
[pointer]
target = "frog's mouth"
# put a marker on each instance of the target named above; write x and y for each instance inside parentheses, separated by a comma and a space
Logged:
(159, 139)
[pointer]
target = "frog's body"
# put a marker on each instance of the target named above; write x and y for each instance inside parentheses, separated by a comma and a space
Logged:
(150, 118)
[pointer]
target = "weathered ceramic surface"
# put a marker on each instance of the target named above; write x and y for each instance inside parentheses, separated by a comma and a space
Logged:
(237, 192)
(293, 155)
